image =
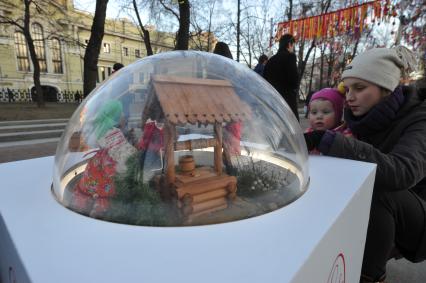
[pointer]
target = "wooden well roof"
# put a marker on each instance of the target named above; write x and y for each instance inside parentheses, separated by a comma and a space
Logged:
(191, 100)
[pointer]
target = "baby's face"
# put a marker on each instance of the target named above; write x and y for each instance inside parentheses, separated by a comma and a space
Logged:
(321, 115)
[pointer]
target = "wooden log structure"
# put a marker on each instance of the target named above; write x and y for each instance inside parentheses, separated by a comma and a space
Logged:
(179, 101)
(169, 138)
(207, 185)
(192, 216)
(210, 195)
(218, 148)
(202, 206)
(204, 193)
(195, 144)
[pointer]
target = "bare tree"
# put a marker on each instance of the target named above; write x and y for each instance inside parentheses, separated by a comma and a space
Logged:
(324, 6)
(22, 24)
(412, 19)
(145, 33)
(182, 40)
(91, 55)
(256, 31)
(238, 29)
(290, 10)
(204, 24)
(251, 37)
(182, 13)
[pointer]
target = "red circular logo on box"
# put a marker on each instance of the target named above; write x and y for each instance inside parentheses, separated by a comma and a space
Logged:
(338, 271)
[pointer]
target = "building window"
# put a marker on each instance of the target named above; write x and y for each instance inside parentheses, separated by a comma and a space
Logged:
(125, 51)
(56, 56)
(109, 71)
(107, 48)
(37, 33)
(21, 52)
(137, 53)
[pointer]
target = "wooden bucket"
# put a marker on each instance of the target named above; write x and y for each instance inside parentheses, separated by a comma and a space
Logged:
(187, 163)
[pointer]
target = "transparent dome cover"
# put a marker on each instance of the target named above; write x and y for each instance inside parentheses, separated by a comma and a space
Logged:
(181, 138)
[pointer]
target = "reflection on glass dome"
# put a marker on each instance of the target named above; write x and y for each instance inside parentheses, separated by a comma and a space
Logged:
(181, 138)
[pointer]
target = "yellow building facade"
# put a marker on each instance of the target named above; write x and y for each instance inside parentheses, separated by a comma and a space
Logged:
(61, 33)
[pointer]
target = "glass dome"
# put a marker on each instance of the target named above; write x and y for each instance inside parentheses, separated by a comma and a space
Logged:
(181, 138)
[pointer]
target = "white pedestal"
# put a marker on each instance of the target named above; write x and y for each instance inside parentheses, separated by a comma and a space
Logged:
(318, 238)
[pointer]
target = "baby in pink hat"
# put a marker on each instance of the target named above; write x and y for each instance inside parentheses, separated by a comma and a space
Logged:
(326, 111)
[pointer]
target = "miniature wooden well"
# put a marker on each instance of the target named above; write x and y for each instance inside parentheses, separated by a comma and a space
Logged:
(191, 100)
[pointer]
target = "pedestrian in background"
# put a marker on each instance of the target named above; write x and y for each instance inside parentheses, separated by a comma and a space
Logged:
(116, 67)
(222, 48)
(10, 95)
(260, 67)
(281, 72)
(77, 97)
(232, 130)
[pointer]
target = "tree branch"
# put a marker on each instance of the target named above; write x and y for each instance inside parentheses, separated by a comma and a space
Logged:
(169, 9)
(9, 21)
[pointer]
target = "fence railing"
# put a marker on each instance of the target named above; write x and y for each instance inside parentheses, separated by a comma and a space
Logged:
(23, 95)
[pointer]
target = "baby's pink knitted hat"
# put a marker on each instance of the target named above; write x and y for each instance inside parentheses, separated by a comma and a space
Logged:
(335, 97)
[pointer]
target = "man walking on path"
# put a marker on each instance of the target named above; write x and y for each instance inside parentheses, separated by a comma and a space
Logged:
(10, 95)
(281, 72)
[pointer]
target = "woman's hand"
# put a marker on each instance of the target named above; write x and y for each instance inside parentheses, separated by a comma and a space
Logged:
(313, 139)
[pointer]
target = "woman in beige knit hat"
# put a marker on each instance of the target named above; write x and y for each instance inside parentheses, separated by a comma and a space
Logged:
(389, 123)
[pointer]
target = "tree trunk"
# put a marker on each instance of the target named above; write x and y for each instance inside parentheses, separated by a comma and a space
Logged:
(312, 71)
(355, 47)
(330, 64)
(302, 64)
(145, 37)
(209, 31)
(91, 55)
(290, 10)
(33, 54)
(322, 49)
(184, 21)
(238, 30)
(343, 62)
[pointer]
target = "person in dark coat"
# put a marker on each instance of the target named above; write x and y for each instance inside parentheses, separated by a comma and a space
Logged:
(232, 130)
(222, 48)
(77, 97)
(389, 123)
(117, 66)
(10, 95)
(281, 72)
(260, 67)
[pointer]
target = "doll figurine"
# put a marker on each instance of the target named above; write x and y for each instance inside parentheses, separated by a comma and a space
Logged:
(92, 193)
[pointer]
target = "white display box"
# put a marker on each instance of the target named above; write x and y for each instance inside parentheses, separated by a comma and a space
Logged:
(318, 238)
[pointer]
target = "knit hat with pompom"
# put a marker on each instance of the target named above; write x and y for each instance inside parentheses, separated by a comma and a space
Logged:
(382, 66)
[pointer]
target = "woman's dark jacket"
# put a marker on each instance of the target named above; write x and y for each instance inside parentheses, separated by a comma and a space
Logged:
(394, 139)
(392, 135)
(281, 72)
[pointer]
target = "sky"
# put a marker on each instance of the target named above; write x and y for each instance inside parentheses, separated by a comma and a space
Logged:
(114, 11)
(113, 8)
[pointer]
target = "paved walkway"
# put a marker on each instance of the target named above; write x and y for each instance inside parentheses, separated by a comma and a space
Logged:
(28, 139)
